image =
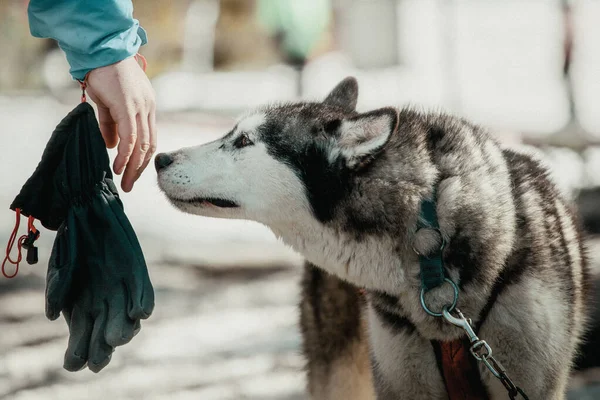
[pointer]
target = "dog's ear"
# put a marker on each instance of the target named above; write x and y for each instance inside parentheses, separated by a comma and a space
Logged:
(344, 95)
(360, 138)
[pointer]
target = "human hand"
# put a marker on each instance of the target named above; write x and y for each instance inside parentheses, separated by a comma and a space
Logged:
(126, 114)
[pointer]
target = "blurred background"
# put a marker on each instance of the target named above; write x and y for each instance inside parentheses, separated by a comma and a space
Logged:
(225, 323)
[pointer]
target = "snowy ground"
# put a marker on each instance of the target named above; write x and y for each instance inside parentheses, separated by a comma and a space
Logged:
(225, 324)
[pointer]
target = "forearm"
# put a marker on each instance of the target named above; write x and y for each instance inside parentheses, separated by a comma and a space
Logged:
(92, 33)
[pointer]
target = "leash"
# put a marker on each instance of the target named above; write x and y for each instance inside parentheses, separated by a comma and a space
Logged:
(482, 352)
(453, 355)
(24, 242)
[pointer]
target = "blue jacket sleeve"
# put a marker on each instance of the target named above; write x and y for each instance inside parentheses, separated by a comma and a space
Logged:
(92, 33)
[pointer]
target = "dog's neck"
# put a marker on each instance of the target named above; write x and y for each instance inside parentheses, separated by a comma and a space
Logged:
(369, 241)
(371, 262)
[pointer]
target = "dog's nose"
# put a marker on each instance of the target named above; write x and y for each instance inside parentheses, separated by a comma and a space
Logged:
(162, 160)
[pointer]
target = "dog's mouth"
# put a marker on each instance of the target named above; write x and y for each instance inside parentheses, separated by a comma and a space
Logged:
(213, 201)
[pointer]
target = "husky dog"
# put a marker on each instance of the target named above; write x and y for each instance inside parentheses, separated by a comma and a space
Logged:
(344, 189)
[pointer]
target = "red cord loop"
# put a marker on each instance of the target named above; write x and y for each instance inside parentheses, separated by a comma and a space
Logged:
(139, 57)
(32, 235)
(11, 243)
(83, 86)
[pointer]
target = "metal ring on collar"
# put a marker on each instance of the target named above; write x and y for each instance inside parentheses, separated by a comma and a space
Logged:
(452, 306)
(439, 232)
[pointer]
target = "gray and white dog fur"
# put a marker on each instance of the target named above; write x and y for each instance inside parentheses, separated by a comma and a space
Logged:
(344, 189)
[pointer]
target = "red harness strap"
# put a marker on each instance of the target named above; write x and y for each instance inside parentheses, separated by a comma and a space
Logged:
(459, 371)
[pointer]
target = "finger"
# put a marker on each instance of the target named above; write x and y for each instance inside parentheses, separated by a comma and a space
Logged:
(139, 287)
(119, 328)
(60, 270)
(67, 313)
(137, 327)
(100, 352)
(57, 284)
(148, 297)
(136, 309)
(108, 127)
(153, 144)
(139, 153)
(152, 126)
(127, 131)
(141, 169)
(153, 135)
(80, 331)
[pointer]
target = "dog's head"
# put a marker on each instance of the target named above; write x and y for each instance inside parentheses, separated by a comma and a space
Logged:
(279, 162)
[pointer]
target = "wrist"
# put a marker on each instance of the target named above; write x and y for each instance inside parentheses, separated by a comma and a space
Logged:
(114, 50)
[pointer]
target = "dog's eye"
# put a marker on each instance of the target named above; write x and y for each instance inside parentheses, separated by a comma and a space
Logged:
(242, 141)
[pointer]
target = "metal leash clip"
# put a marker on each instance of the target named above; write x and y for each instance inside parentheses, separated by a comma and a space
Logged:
(482, 351)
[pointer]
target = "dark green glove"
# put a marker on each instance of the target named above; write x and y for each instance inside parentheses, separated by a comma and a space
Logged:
(100, 295)
(97, 275)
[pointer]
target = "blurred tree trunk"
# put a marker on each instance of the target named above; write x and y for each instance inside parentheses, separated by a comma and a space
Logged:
(199, 37)
(240, 43)
(20, 53)
(164, 22)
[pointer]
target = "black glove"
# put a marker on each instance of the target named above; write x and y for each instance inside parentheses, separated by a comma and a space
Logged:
(97, 275)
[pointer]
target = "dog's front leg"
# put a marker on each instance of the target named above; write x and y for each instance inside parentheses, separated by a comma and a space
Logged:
(535, 344)
(334, 338)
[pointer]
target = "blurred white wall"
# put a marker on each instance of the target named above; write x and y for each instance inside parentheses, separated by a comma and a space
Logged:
(586, 64)
(498, 63)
